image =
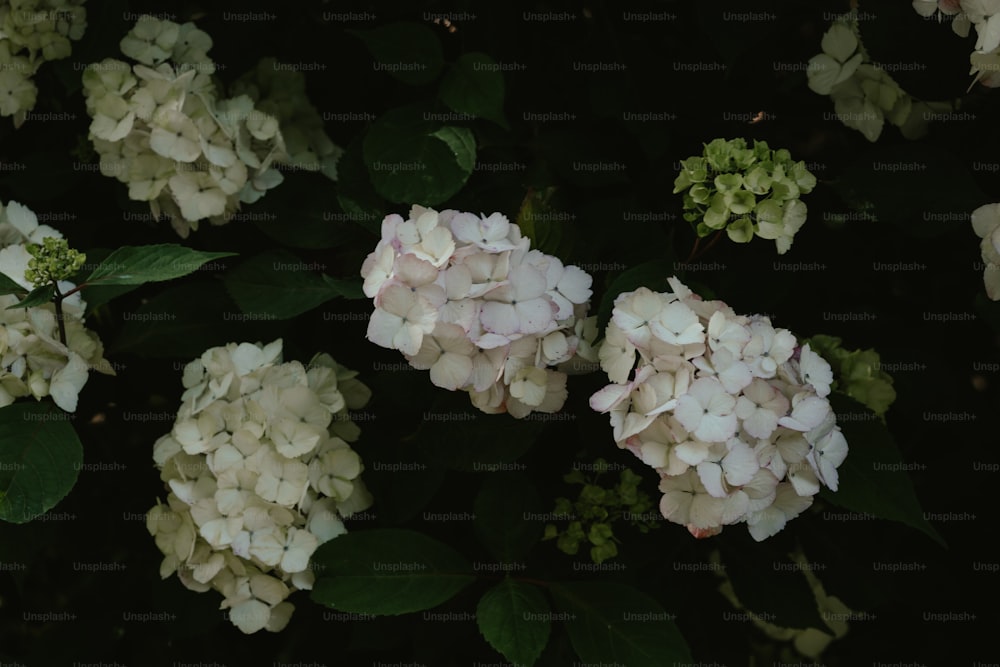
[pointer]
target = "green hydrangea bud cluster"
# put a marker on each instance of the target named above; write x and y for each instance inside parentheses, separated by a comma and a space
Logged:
(52, 261)
(596, 509)
(746, 191)
(857, 373)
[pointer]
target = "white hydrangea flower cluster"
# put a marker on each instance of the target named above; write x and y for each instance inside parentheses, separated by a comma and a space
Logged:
(864, 95)
(42, 28)
(986, 224)
(281, 92)
(33, 359)
(727, 409)
(465, 297)
(164, 129)
(985, 16)
(260, 474)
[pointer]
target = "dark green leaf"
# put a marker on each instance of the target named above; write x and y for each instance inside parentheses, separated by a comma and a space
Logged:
(474, 86)
(36, 297)
(515, 619)
(458, 435)
(412, 160)
(8, 286)
(872, 477)
(504, 509)
(410, 52)
(757, 570)
(185, 320)
(387, 572)
(280, 285)
(136, 265)
(617, 624)
(40, 459)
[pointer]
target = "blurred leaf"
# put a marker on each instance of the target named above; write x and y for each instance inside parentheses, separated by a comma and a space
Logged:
(355, 193)
(872, 477)
(409, 52)
(458, 435)
(617, 624)
(757, 570)
(502, 509)
(280, 285)
(474, 86)
(387, 572)
(411, 160)
(185, 320)
(515, 619)
(40, 459)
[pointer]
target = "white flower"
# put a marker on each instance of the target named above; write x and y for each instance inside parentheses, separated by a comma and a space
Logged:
(707, 411)
(401, 319)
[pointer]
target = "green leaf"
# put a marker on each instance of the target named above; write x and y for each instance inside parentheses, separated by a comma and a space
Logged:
(457, 435)
(183, 321)
(40, 459)
(281, 285)
(873, 477)
(651, 274)
(409, 52)
(355, 193)
(474, 86)
(515, 619)
(303, 213)
(504, 509)
(8, 286)
(757, 570)
(36, 297)
(349, 288)
(387, 572)
(137, 265)
(411, 160)
(617, 624)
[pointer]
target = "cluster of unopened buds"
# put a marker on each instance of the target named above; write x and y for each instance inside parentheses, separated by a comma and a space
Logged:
(729, 410)
(465, 297)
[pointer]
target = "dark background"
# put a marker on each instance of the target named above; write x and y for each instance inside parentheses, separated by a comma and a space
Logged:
(100, 521)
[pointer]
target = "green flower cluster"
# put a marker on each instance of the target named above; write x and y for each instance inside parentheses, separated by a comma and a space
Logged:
(52, 261)
(745, 191)
(858, 373)
(597, 508)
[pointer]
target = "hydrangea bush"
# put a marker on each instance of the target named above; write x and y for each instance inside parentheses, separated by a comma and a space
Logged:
(466, 298)
(730, 411)
(500, 213)
(33, 32)
(164, 128)
(260, 473)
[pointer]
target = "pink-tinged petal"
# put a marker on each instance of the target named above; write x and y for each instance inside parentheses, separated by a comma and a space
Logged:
(499, 318)
(575, 284)
(740, 464)
(414, 271)
(803, 479)
(452, 371)
(710, 474)
(716, 429)
(396, 299)
(706, 511)
(528, 282)
(408, 339)
(383, 327)
(605, 399)
(535, 315)
(689, 412)
(692, 452)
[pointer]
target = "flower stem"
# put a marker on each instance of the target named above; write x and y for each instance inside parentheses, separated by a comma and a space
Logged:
(57, 300)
